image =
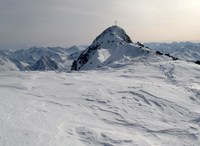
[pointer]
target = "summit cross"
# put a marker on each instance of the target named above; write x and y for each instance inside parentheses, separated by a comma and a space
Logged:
(115, 22)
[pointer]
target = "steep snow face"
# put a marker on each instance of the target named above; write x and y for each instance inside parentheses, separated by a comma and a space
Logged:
(7, 64)
(45, 63)
(182, 50)
(111, 45)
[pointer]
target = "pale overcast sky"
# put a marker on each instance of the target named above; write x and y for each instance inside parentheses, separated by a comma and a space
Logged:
(26, 23)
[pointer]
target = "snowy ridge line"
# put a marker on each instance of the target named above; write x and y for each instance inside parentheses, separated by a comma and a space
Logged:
(175, 58)
(188, 51)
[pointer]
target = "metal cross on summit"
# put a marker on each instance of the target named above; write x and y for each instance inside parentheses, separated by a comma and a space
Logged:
(115, 22)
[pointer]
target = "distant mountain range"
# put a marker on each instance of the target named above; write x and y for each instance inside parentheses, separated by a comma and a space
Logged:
(40, 58)
(112, 46)
(183, 50)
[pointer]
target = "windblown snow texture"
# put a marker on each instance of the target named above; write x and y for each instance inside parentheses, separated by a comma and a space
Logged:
(156, 102)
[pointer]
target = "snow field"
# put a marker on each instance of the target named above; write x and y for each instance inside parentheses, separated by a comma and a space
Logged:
(140, 104)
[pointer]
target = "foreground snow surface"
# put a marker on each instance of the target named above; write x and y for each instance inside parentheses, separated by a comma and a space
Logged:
(141, 104)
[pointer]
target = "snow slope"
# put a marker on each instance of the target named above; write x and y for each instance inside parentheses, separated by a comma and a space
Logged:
(142, 103)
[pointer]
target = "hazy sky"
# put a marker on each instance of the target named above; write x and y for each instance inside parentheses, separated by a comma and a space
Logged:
(25, 23)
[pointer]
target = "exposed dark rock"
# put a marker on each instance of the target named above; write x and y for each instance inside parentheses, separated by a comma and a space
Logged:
(139, 44)
(167, 55)
(174, 58)
(197, 62)
(159, 53)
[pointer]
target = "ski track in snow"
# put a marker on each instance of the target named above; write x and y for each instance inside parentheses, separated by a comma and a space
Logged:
(143, 104)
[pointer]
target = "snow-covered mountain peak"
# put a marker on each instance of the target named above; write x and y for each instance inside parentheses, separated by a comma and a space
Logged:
(44, 63)
(112, 37)
(112, 45)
